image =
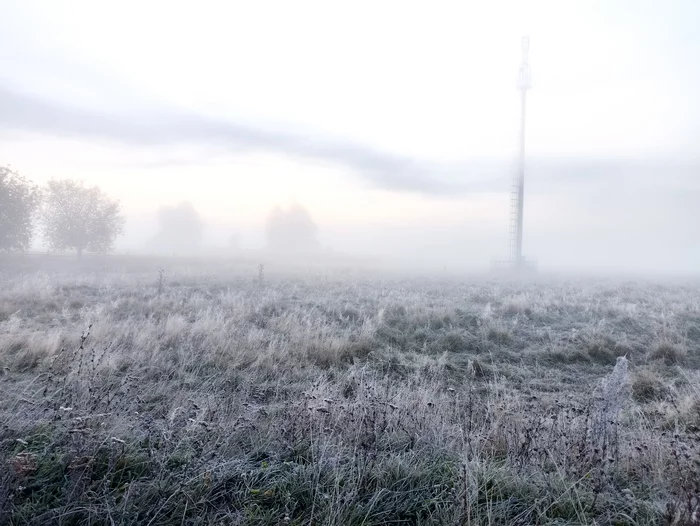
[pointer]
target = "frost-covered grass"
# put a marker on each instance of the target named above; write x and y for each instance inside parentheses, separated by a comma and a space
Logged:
(312, 398)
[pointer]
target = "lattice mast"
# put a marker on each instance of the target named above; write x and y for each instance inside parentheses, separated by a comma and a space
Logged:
(517, 194)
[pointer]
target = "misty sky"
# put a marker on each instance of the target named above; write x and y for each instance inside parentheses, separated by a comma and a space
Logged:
(394, 123)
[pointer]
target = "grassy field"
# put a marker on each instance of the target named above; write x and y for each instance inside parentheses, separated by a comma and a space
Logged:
(313, 398)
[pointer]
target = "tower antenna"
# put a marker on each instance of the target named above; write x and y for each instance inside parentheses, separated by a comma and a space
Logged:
(517, 201)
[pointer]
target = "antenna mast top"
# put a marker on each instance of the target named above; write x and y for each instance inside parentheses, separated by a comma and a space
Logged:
(524, 76)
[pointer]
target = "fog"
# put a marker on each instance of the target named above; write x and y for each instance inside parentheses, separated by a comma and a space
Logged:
(368, 133)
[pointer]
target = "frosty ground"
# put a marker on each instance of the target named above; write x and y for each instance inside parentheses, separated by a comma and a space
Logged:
(346, 398)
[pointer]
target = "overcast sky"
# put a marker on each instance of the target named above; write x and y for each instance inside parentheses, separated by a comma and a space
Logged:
(394, 123)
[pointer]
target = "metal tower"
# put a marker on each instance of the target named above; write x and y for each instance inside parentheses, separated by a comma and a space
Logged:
(518, 188)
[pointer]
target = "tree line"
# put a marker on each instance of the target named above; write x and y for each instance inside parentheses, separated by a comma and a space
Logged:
(71, 216)
(68, 214)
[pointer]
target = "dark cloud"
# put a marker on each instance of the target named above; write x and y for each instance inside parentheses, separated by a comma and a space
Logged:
(166, 128)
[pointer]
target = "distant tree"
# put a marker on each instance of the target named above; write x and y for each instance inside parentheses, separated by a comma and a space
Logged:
(76, 217)
(19, 200)
(180, 229)
(291, 230)
(234, 243)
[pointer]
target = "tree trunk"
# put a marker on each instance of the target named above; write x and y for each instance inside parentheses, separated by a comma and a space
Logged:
(80, 254)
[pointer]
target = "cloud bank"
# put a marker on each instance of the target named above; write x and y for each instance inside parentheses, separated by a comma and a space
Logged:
(164, 127)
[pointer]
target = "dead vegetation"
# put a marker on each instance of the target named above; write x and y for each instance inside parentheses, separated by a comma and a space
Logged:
(212, 398)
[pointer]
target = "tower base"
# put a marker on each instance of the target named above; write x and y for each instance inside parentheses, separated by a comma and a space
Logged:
(522, 267)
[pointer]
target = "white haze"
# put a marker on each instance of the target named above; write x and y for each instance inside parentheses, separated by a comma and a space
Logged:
(393, 123)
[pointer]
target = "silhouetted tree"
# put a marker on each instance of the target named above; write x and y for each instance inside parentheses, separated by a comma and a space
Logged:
(79, 218)
(180, 228)
(291, 230)
(19, 200)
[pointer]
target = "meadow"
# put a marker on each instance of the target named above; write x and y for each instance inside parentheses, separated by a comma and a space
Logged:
(206, 394)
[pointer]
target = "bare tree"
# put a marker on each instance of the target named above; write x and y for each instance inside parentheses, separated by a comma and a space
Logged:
(19, 200)
(80, 218)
